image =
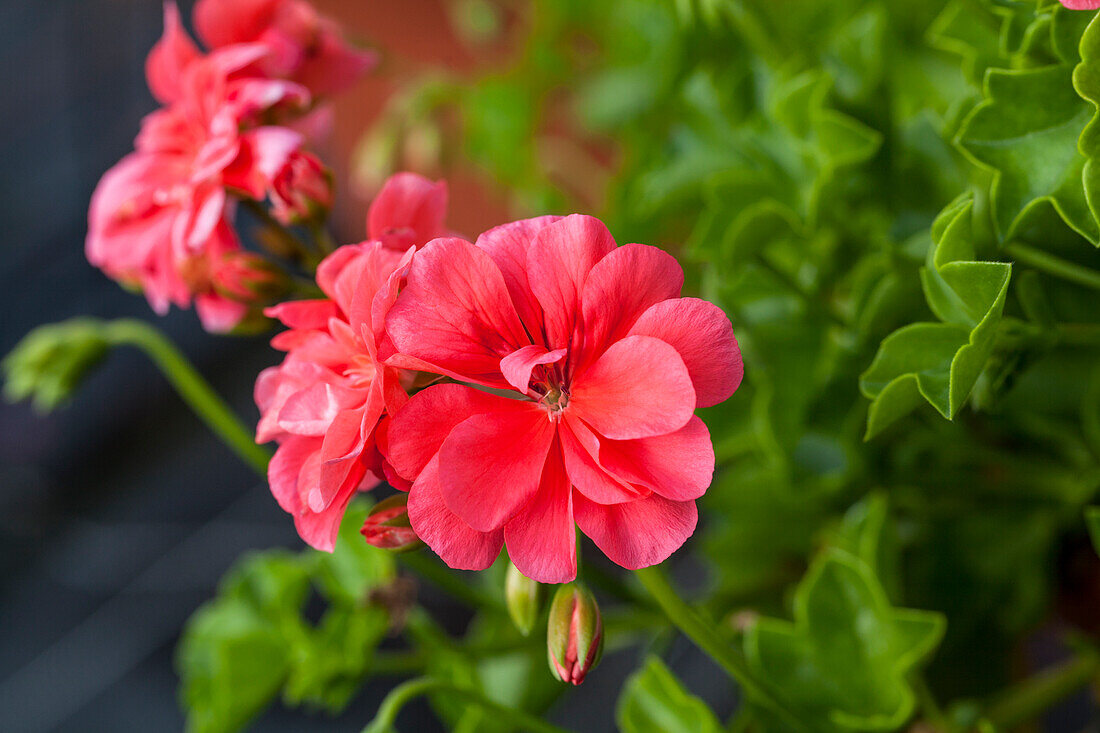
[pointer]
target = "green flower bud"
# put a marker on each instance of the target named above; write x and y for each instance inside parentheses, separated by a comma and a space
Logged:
(523, 597)
(51, 361)
(574, 634)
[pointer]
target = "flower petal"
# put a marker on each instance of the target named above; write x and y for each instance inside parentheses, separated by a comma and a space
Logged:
(678, 466)
(558, 264)
(640, 533)
(541, 540)
(449, 537)
(621, 287)
(491, 464)
(408, 211)
(285, 467)
(637, 389)
(312, 410)
(517, 366)
(417, 432)
(703, 336)
(507, 244)
(310, 314)
(580, 450)
(455, 313)
(173, 53)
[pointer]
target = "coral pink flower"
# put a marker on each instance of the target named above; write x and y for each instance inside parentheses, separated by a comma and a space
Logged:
(304, 46)
(326, 403)
(323, 403)
(1081, 4)
(162, 212)
(607, 363)
(408, 211)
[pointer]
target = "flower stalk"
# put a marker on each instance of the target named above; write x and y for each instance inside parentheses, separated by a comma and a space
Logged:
(191, 387)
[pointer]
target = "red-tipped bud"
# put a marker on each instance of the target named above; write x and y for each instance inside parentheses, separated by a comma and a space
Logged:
(387, 525)
(302, 190)
(522, 596)
(574, 634)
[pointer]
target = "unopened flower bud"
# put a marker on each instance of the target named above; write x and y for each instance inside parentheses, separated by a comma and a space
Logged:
(52, 361)
(387, 525)
(302, 190)
(574, 634)
(246, 277)
(522, 596)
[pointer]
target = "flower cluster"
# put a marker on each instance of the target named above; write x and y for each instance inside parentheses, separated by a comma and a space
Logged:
(555, 374)
(160, 220)
(515, 388)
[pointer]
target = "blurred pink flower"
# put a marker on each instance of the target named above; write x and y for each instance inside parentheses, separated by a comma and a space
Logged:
(301, 190)
(607, 364)
(410, 210)
(1081, 4)
(304, 46)
(162, 212)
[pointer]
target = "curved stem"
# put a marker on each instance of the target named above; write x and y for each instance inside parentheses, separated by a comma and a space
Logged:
(707, 638)
(401, 695)
(191, 387)
(1053, 265)
(1033, 696)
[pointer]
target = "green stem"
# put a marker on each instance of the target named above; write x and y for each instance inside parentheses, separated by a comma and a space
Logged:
(446, 580)
(403, 694)
(1033, 696)
(309, 254)
(191, 387)
(1055, 266)
(707, 638)
(930, 709)
(325, 243)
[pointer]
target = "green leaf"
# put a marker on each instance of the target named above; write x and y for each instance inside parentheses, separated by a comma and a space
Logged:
(940, 362)
(653, 699)
(234, 656)
(1026, 132)
(1092, 520)
(239, 650)
(1086, 80)
(845, 658)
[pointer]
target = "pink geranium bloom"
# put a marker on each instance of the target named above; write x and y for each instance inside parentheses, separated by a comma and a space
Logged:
(304, 46)
(606, 364)
(323, 403)
(162, 212)
(326, 403)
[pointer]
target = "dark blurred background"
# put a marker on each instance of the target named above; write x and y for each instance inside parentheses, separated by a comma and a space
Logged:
(120, 512)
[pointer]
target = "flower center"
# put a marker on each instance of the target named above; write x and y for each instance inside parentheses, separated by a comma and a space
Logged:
(361, 371)
(554, 402)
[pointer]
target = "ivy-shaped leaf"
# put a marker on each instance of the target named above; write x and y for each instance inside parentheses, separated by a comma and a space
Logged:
(845, 658)
(1026, 132)
(940, 362)
(653, 699)
(1086, 80)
